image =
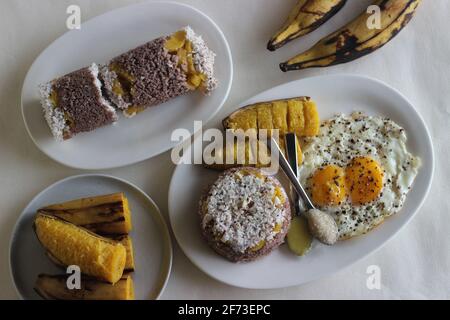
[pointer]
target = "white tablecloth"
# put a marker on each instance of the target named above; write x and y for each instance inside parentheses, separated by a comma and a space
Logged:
(415, 264)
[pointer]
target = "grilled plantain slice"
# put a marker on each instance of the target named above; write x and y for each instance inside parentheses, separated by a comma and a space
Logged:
(106, 214)
(54, 287)
(68, 244)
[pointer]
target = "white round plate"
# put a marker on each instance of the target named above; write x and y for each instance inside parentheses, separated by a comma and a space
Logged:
(150, 235)
(101, 39)
(334, 94)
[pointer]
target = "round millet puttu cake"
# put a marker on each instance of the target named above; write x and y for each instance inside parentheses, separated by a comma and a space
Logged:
(245, 214)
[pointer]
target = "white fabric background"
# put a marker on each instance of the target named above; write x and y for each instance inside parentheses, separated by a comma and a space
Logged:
(415, 264)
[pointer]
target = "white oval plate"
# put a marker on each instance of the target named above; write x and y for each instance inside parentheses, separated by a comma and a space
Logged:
(150, 235)
(100, 39)
(334, 94)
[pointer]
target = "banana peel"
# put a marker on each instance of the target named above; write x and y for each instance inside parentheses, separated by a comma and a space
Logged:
(356, 39)
(305, 17)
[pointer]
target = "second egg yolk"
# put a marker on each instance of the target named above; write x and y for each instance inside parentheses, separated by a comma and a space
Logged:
(364, 180)
(328, 186)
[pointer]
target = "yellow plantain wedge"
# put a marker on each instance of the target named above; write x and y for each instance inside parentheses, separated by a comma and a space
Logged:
(54, 287)
(358, 38)
(305, 17)
(67, 244)
(105, 214)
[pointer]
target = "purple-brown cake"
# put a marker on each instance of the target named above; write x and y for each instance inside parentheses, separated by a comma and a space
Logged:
(158, 71)
(74, 103)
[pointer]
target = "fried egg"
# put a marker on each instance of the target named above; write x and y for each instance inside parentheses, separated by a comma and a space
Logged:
(359, 170)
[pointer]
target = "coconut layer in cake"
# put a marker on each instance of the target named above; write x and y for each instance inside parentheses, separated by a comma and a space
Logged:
(74, 103)
(158, 71)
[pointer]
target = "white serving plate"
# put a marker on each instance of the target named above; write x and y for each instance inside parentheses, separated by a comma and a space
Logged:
(150, 235)
(334, 94)
(100, 39)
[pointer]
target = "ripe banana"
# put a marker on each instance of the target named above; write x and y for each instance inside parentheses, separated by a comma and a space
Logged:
(356, 39)
(305, 17)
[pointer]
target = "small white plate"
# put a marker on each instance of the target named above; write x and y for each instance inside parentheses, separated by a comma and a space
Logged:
(334, 94)
(150, 235)
(101, 39)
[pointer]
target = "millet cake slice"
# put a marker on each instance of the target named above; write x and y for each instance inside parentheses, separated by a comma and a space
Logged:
(74, 103)
(158, 71)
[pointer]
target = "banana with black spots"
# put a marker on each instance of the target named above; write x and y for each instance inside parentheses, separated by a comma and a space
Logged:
(356, 39)
(305, 17)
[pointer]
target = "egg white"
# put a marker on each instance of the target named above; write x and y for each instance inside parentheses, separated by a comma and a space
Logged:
(343, 138)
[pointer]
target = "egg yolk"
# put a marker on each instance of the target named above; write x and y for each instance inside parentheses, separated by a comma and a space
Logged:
(364, 180)
(328, 186)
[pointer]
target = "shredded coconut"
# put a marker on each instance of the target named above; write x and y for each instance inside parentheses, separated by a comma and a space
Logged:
(203, 58)
(242, 212)
(94, 69)
(53, 115)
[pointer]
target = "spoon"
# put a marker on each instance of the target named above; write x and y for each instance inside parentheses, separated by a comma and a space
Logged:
(322, 225)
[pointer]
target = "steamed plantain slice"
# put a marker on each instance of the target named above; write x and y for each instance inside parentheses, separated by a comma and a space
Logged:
(54, 287)
(104, 214)
(279, 116)
(297, 115)
(296, 118)
(312, 120)
(251, 156)
(259, 160)
(265, 120)
(126, 241)
(68, 244)
(245, 119)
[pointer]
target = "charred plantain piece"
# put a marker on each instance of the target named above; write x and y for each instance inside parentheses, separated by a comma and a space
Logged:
(297, 115)
(68, 244)
(106, 214)
(126, 241)
(54, 287)
(305, 17)
(356, 39)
